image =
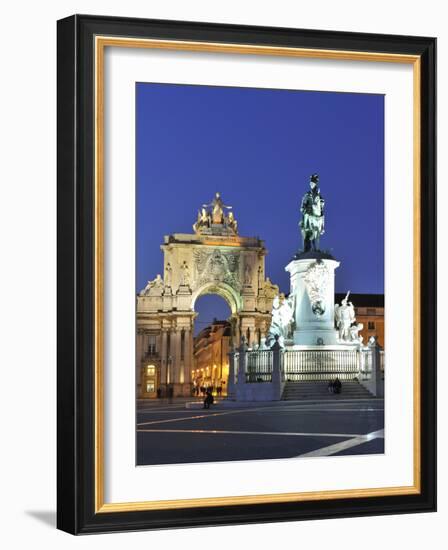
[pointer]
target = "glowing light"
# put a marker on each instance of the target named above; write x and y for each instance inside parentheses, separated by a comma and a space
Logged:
(150, 370)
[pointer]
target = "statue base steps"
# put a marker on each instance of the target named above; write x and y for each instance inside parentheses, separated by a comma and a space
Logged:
(316, 391)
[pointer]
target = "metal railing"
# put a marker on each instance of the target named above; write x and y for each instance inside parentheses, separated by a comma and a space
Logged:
(298, 365)
(259, 366)
(320, 365)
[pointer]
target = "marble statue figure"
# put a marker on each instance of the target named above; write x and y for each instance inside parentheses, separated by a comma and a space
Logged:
(354, 332)
(232, 223)
(168, 274)
(248, 275)
(203, 220)
(282, 318)
(155, 284)
(345, 317)
(185, 278)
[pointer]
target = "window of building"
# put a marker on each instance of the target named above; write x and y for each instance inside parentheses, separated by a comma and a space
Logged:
(371, 325)
(150, 370)
(152, 344)
(371, 311)
(150, 387)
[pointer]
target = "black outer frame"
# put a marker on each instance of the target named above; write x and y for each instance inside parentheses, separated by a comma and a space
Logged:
(75, 173)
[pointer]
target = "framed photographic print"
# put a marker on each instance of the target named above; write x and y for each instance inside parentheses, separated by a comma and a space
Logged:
(246, 274)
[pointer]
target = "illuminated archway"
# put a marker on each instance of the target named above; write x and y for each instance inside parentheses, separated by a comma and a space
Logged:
(213, 260)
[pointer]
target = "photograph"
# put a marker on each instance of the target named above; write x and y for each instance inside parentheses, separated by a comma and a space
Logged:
(260, 306)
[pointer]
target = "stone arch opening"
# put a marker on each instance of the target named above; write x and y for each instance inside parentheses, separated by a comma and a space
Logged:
(208, 308)
(213, 336)
(229, 294)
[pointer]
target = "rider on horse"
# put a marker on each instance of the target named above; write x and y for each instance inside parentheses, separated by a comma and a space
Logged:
(312, 224)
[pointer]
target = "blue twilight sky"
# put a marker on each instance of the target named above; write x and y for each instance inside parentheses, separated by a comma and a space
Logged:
(258, 148)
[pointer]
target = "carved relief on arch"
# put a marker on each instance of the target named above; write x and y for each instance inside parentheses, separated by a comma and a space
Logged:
(216, 266)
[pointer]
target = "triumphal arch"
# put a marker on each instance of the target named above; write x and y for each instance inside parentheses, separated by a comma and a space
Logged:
(214, 259)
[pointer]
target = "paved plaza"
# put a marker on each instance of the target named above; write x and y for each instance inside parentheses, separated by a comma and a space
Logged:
(170, 433)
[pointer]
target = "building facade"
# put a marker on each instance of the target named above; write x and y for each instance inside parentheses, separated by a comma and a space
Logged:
(211, 358)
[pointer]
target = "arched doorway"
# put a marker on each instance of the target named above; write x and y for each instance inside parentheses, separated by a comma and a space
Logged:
(213, 260)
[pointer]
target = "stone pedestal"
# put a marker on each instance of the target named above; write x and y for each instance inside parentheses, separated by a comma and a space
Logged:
(184, 298)
(312, 286)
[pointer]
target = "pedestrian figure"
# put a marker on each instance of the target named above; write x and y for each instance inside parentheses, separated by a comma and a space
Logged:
(330, 387)
(208, 399)
(337, 386)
